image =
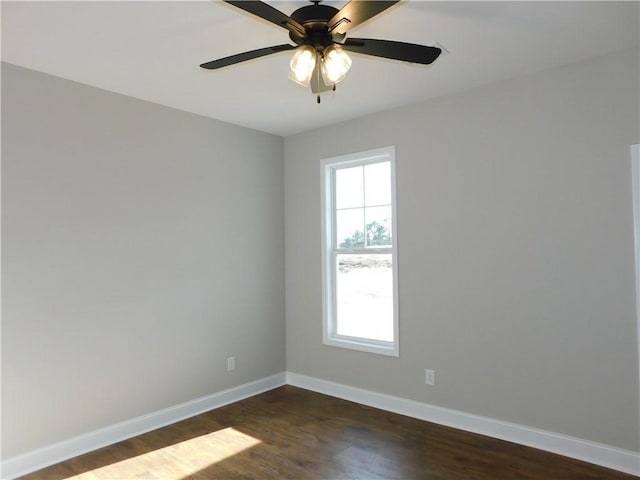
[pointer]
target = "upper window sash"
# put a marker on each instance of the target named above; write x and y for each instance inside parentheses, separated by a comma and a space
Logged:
(361, 205)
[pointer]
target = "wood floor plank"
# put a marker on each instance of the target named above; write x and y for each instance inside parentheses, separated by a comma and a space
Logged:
(291, 433)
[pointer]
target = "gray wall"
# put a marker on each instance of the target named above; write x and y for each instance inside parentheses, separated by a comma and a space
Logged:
(141, 246)
(516, 258)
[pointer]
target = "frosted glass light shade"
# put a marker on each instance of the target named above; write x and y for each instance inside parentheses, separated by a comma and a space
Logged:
(335, 64)
(302, 65)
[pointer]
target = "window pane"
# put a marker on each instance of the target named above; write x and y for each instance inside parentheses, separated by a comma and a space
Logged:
(377, 183)
(378, 223)
(364, 290)
(349, 187)
(350, 228)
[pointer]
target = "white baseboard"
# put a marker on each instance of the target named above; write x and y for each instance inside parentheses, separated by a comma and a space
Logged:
(599, 454)
(596, 453)
(58, 452)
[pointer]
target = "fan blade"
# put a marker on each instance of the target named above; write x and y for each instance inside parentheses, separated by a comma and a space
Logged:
(317, 82)
(356, 12)
(408, 52)
(242, 57)
(270, 14)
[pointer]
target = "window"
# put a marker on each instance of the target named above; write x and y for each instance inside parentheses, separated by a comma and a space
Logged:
(359, 239)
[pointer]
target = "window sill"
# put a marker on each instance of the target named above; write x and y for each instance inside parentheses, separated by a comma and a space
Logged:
(390, 350)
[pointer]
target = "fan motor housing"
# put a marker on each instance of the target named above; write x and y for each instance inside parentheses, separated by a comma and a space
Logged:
(314, 19)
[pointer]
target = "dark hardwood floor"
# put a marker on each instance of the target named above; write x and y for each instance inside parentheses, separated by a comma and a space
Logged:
(297, 434)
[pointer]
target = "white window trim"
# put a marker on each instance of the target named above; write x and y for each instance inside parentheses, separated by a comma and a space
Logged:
(635, 180)
(330, 337)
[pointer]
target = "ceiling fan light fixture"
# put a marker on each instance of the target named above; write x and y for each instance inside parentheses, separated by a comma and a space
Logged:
(335, 64)
(302, 65)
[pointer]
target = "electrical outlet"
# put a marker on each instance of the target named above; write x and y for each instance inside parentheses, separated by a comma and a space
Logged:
(231, 364)
(430, 377)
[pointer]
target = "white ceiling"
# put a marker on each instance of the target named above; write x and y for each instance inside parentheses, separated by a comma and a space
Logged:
(152, 50)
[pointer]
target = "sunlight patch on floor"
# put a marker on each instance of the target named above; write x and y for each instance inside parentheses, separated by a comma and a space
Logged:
(176, 461)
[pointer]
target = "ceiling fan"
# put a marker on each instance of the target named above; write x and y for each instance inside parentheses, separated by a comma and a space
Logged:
(320, 36)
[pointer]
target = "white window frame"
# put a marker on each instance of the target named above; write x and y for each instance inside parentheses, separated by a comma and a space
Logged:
(330, 250)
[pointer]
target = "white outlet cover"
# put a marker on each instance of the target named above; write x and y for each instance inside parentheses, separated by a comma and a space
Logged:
(430, 377)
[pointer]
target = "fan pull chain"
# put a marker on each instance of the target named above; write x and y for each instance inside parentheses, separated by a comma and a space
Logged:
(318, 97)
